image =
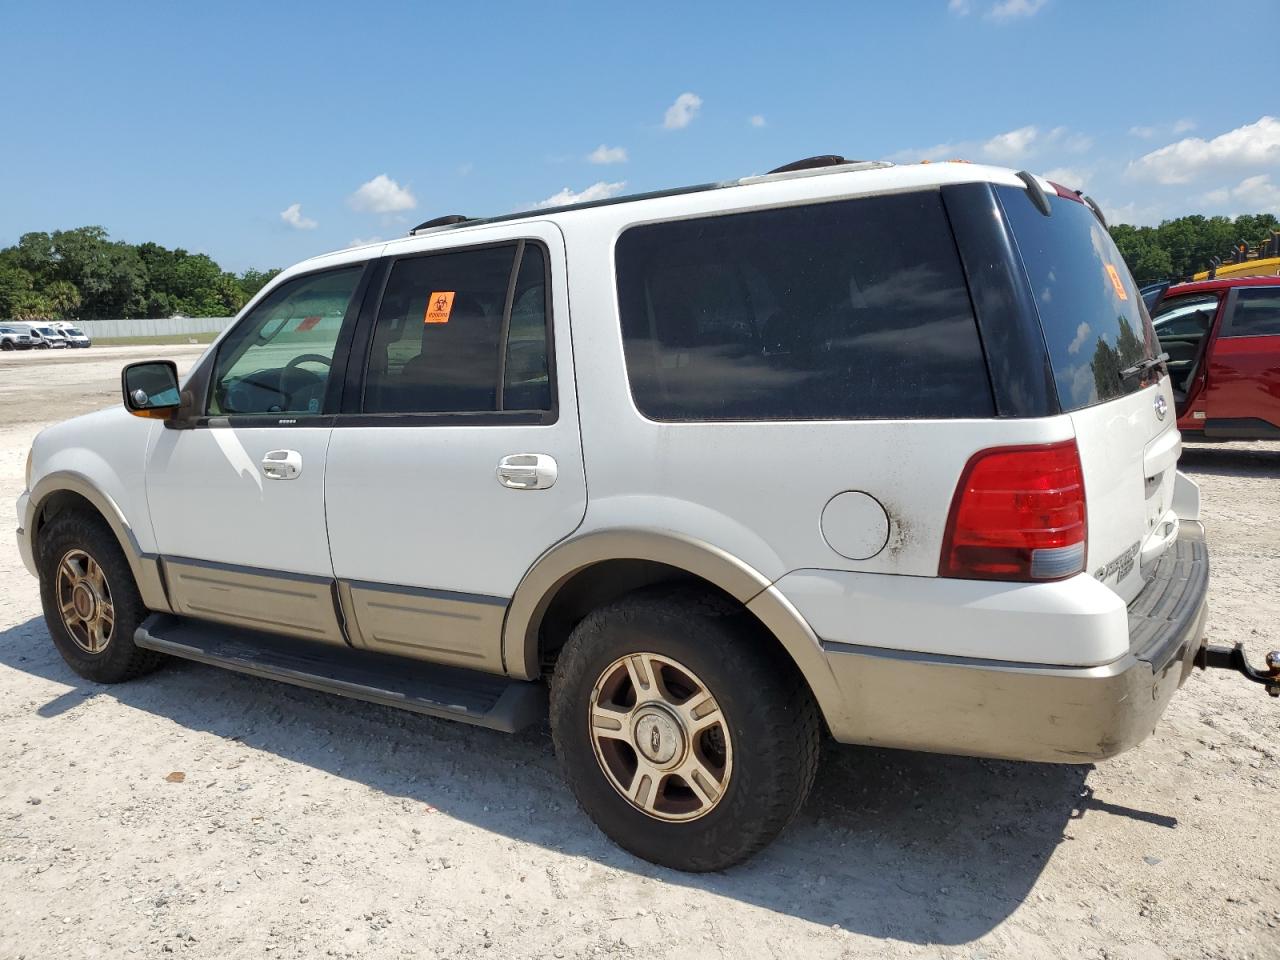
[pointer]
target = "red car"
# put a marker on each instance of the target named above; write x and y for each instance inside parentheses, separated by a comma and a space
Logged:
(1223, 342)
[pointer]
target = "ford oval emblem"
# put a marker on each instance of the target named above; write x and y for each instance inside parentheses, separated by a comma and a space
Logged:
(1162, 405)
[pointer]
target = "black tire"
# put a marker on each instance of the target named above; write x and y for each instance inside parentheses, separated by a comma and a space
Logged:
(119, 659)
(6, 345)
(768, 711)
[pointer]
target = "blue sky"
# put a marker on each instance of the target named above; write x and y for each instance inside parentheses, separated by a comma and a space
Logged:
(263, 133)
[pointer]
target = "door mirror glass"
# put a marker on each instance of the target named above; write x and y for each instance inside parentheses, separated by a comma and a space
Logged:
(151, 389)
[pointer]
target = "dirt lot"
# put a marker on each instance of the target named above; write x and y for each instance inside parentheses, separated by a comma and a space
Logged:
(308, 825)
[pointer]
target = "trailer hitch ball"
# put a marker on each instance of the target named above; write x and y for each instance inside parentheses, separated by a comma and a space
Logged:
(1233, 658)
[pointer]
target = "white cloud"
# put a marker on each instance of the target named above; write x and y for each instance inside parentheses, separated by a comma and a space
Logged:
(603, 154)
(382, 195)
(1072, 177)
(939, 151)
(1252, 145)
(1061, 138)
(1007, 148)
(363, 241)
(683, 112)
(1251, 195)
(464, 169)
(1147, 131)
(292, 215)
(1082, 334)
(1012, 145)
(1011, 9)
(961, 8)
(597, 191)
(756, 120)
(1139, 215)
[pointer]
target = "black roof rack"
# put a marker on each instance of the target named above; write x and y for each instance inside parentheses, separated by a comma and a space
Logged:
(448, 220)
(809, 163)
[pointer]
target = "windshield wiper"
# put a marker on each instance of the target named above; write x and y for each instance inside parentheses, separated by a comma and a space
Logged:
(1142, 365)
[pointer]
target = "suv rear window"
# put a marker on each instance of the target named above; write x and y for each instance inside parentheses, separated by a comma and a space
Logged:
(1094, 320)
(845, 310)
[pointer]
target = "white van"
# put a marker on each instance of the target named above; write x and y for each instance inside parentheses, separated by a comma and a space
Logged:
(75, 336)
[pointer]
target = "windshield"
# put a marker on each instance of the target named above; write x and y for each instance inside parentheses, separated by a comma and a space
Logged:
(1094, 321)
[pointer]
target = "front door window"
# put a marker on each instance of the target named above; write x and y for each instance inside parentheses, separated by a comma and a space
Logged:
(277, 360)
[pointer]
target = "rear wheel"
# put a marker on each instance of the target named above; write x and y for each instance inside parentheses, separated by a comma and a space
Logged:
(91, 603)
(685, 737)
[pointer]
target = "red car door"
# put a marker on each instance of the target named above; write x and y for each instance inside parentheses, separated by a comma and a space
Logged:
(1242, 398)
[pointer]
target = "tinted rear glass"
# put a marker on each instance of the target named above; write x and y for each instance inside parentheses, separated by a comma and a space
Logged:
(1094, 320)
(848, 310)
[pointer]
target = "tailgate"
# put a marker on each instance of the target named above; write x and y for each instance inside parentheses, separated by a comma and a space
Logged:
(1102, 354)
(1129, 455)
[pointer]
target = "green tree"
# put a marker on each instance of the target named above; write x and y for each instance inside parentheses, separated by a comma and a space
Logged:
(63, 299)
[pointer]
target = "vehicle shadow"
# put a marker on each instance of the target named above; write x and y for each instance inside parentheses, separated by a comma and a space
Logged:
(956, 843)
(1232, 461)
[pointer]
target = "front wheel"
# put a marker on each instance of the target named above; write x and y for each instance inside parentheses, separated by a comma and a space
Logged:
(91, 603)
(6, 345)
(686, 737)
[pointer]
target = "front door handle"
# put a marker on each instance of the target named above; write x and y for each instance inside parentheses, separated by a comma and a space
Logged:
(282, 464)
(527, 471)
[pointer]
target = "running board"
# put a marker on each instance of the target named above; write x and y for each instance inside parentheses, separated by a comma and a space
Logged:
(483, 699)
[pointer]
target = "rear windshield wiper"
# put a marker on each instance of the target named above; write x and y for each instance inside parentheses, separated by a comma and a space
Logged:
(1142, 365)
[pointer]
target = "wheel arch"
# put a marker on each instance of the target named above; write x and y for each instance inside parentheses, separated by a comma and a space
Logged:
(66, 490)
(585, 572)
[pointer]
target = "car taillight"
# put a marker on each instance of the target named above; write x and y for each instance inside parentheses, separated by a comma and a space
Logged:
(1018, 514)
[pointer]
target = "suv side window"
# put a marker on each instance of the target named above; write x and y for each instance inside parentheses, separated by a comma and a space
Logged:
(463, 331)
(1256, 313)
(278, 358)
(845, 310)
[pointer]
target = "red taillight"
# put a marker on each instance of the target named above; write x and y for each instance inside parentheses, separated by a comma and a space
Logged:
(1018, 514)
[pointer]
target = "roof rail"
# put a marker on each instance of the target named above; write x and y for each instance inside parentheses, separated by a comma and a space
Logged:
(800, 168)
(448, 220)
(810, 163)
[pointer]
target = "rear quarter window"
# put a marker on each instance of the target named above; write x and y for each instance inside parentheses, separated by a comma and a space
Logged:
(1094, 321)
(845, 310)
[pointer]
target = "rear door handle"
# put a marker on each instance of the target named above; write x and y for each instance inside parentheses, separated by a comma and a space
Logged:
(527, 471)
(281, 464)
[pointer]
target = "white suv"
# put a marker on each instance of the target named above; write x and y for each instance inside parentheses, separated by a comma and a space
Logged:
(885, 452)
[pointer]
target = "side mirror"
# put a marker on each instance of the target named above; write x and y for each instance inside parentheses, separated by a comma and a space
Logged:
(151, 389)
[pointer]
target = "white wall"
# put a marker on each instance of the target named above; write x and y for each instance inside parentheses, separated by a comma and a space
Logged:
(143, 327)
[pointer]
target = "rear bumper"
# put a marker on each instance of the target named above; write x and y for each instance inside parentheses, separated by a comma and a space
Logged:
(1024, 711)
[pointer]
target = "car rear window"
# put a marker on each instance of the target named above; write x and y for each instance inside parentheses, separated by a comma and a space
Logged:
(1094, 320)
(853, 309)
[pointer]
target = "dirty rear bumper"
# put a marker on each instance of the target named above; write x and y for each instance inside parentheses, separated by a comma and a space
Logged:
(1021, 711)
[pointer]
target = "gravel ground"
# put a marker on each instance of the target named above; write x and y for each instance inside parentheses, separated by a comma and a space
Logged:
(207, 814)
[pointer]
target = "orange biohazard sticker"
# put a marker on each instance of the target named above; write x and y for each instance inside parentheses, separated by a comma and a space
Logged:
(439, 307)
(1114, 274)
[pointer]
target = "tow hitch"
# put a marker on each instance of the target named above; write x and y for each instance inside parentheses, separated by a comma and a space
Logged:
(1233, 658)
